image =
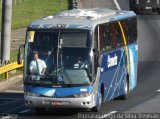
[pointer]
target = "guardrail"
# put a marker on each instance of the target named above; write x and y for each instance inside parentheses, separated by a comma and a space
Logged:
(9, 67)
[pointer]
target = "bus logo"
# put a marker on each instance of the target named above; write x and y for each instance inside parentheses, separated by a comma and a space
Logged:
(50, 92)
(112, 61)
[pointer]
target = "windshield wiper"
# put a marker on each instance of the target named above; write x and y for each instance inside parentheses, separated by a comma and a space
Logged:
(66, 75)
(59, 51)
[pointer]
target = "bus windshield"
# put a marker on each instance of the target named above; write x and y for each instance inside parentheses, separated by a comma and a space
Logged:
(58, 58)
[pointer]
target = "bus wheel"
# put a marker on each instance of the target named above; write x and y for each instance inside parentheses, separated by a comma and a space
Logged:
(98, 107)
(40, 110)
(126, 90)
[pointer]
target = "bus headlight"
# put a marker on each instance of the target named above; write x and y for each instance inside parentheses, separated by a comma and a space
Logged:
(81, 95)
(31, 94)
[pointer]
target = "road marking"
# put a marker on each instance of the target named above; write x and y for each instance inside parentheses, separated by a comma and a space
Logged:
(6, 103)
(1, 98)
(117, 5)
(107, 115)
(158, 90)
(24, 111)
(14, 91)
(6, 117)
(13, 109)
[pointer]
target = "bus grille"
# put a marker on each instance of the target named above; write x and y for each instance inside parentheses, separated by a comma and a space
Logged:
(70, 96)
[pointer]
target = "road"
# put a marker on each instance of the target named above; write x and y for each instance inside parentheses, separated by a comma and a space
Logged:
(11, 103)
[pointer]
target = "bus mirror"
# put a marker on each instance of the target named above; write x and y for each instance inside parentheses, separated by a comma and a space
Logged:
(95, 51)
(20, 58)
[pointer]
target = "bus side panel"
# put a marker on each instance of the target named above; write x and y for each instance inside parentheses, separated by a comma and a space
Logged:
(113, 73)
(133, 55)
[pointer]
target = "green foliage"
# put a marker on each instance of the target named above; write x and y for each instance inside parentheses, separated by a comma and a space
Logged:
(28, 10)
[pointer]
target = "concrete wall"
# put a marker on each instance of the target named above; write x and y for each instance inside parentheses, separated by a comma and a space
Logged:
(18, 37)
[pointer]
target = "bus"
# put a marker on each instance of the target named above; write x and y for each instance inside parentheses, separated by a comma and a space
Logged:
(144, 6)
(90, 55)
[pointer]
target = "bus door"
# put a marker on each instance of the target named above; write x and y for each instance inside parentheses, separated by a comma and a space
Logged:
(113, 60)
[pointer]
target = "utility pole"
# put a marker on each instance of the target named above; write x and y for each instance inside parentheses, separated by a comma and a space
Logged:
(6, 31)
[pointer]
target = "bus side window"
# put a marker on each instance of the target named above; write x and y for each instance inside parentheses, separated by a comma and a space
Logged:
(115, 37)
(132, 30)
(96, 54)
(112, 36)
(125, 29)
(119, 37)
(102, 34)
(96, 38)
(105, 44)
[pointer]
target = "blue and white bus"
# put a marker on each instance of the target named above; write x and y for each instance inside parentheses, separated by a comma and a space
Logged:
(91, 57)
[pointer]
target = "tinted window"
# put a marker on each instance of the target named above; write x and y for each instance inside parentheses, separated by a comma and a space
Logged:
(130, 29)
(110, 36)
(74, 40)
(115, 36)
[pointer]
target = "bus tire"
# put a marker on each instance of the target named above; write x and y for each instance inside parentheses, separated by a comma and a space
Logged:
(98, 107)
(40, 110)
(126, 89)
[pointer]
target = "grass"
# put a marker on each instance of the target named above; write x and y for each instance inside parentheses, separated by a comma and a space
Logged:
(13, 56)
(28, 10)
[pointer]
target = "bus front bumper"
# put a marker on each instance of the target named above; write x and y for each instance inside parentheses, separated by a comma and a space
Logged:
(85, 102)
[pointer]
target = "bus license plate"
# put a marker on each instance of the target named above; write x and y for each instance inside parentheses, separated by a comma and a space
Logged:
(56, 102)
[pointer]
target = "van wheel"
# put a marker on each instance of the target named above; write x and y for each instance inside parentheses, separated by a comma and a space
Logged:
(98, 107)
(40, 110)
(126, 90)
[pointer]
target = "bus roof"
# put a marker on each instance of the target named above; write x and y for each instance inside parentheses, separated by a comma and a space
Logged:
(81, 18)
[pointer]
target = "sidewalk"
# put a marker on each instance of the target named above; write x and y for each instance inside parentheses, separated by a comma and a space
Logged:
(11, 81)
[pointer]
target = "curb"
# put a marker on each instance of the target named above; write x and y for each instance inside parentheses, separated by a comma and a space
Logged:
(7, 83)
